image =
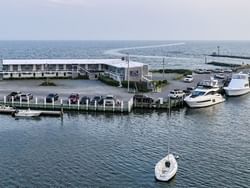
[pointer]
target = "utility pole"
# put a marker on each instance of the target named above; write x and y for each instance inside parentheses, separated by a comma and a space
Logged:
(47, 79)
(163, 68)
(128, 71)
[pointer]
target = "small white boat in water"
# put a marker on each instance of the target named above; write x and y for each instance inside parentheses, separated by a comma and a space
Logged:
(27, 113)
(166, 168)
(6, 108)
(239, 85)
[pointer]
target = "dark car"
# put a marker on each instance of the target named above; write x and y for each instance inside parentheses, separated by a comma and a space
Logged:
(52, 96)
(84, 100)
(73, 98)
(13, 94)
(99, 100)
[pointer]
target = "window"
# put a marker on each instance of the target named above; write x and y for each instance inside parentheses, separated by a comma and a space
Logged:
(197, 93)
(26, 67)
(38, 67)
(69, 67)
(61, 67)
(15, 68)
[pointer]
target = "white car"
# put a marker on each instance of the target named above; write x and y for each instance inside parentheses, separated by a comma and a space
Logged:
(188, 78)
(177, 93)
(110, 100)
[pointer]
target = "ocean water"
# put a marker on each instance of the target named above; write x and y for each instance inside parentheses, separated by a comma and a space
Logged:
(178, 54)
(115, 150)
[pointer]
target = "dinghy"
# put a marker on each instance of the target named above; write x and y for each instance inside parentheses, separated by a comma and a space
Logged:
(166, 168)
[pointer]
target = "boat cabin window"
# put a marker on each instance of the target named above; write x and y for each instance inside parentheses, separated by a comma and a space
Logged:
(167, 164)
(211, 93)
(239, 76)
(246, 85)
(197, 93)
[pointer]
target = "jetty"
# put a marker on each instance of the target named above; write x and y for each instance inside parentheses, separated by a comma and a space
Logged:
(230, 56)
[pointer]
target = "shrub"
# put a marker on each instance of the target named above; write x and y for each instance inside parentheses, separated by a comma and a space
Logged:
(108, 81)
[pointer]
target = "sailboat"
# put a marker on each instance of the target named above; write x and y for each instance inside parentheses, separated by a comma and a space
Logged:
(166, 168)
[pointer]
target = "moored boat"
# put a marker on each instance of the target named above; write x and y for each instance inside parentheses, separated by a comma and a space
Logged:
(166, 168)
(203, 98)
(27, 113)
(205, 94)
(239, 85)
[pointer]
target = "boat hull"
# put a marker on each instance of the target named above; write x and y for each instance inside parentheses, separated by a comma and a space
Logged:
(27, 113)
(236, 92)
(163, 173)
(206, 102)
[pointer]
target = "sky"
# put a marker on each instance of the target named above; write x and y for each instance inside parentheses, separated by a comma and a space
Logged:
(124, 20)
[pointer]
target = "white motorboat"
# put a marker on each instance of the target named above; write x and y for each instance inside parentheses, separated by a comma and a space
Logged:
(204, 97)
(7, 108)
(27, 113)
(239, 85)
(166, 168)
(205, 94)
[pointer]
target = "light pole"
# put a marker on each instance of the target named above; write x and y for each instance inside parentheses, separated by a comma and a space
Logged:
(218, 47)
(163, 68)
(128, 71)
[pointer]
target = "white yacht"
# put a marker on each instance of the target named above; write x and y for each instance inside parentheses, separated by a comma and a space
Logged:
(239, 85)
(205, 94)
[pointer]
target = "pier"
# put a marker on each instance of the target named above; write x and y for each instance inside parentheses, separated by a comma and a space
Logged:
(230, 56)
(55, 109)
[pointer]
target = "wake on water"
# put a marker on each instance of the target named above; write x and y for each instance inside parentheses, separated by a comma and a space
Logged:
(118, 51)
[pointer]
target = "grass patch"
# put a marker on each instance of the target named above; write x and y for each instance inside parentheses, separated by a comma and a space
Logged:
(108, 81)
(47, 83)
(177, 71)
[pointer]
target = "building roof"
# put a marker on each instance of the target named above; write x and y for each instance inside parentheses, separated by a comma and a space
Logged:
(111, 62)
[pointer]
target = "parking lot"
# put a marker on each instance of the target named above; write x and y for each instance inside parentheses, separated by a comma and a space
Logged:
(89, 88)
(63, 88)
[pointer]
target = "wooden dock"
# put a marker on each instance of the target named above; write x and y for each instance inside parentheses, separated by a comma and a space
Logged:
(54, 108)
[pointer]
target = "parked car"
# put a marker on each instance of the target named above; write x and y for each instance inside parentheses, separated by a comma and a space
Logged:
(84, 100)
(110, 100)
(98, 99)
(177, 93)
(52, 96)
(12, 94)
(188, 90)
(219, 76)
(188, 78)
(73, 98)
(24, 96)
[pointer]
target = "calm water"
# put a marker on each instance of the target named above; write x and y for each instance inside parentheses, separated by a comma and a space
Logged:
(106, 150)
(121, 151)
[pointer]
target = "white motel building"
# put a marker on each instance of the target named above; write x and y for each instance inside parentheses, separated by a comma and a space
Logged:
(118, 69)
